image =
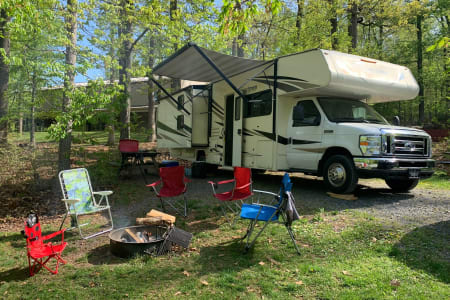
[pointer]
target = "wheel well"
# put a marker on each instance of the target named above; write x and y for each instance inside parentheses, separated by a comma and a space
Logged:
(201, 155)
(332, 151)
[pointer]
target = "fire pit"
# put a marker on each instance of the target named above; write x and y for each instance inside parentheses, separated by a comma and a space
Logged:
(129, 241)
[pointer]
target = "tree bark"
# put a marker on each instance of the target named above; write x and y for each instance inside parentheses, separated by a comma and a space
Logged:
(112, 76)
(125, 30)
(151, 102)
(334, 25)
(175, 83)
(32, 110)
(353, 26)
(65, 143)
(298, 21)
(420, 69)
(4, 76)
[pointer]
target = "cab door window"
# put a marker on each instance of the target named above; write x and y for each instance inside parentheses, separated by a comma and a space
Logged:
(305, 113)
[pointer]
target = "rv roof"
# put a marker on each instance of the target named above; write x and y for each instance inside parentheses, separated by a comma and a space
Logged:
(189, 64)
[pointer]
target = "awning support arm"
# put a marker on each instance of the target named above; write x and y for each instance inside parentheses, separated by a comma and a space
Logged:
(216, 68)
(168, 95)
(251, 78)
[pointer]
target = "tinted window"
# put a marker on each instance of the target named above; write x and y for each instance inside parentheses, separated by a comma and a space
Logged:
(305, 113)
(180, 100)
(258, 104)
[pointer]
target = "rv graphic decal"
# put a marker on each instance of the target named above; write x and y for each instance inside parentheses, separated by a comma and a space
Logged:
(303, 142)
(167, 128)
(287, 84)
(314, 150)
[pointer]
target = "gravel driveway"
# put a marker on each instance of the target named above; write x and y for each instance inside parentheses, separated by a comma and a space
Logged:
(420, 207)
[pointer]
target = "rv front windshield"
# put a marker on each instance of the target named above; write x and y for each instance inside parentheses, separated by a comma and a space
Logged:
(348, 110)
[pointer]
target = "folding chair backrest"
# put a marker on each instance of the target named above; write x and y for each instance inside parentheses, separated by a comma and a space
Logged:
(286, 186)
(127, 145)
(75, 184)
(242, 176)
(33, 234)
(173, 179)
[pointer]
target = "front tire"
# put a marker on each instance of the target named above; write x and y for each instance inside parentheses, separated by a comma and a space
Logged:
(339, 174)
(402, 185)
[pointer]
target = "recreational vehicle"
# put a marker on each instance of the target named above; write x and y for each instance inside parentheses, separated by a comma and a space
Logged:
(306, 112)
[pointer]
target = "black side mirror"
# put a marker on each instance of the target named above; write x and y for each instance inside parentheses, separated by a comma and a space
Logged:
(298, 114)
(396, 121)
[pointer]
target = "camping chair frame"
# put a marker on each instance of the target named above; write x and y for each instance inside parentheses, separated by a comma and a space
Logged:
(227, 199)
(96, 206)
(38, 253)
(179, 208)
(268, 214)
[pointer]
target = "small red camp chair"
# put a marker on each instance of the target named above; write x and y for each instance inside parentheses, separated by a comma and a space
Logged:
(242, 190)
(174, 184)
(38, 252)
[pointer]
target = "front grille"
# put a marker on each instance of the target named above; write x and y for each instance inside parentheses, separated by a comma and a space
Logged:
(404, 145)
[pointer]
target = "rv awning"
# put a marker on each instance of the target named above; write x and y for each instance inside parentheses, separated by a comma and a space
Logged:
(190, 63)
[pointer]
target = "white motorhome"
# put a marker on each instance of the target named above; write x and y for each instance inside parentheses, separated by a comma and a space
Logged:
(307, 112)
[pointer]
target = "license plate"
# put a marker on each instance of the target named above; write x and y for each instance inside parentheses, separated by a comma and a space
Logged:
(413, 173)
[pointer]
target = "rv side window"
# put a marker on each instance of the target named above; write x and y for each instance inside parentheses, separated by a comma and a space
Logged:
(258, 104)
(305, 113)
(180, 122)
(180, 100)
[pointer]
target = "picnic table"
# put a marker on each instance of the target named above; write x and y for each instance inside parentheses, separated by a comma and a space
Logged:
(137, 159)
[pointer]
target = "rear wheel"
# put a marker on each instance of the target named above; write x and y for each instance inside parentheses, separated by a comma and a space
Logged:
(339, 174)
(402, 185)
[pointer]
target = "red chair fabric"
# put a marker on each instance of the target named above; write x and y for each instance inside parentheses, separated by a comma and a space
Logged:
(174, 183)
(127, 145)
(242, 186)
(40, 253)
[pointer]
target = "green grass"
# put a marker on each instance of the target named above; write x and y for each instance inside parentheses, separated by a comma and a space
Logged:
(439, 181)
(344, 256)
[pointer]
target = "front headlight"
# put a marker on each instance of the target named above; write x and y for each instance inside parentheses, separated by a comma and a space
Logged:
(370, 145)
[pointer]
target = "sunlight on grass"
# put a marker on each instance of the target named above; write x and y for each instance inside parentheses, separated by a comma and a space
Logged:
(344, 255)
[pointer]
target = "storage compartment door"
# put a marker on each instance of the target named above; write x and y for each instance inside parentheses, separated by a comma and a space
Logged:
(237, 132)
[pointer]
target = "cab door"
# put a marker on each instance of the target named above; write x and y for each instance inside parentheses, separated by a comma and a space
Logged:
(304, 133)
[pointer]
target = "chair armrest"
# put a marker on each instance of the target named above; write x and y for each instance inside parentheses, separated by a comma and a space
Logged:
(52, 235)
(226, 181)
(71, 201)
(154, 183)
(243, 186)
(103, 193)
(265, 192)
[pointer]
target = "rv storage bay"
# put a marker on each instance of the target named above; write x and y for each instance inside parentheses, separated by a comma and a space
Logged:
(381, 246)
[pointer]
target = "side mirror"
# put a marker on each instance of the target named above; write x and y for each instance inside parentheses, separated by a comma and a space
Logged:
(298, 114)
(396, 121)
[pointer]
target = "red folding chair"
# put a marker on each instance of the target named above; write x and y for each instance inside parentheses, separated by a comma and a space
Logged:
(242, 189)
(174, 184)
(40, 253)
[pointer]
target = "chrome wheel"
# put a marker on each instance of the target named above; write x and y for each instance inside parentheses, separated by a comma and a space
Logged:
(336, 174)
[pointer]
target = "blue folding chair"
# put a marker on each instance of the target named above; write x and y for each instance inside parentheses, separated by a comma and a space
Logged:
(283, 206)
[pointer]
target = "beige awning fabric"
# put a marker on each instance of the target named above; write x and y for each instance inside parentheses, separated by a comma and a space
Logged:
(188, 63)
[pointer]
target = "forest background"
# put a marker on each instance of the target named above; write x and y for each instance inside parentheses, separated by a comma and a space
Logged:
(51, 42)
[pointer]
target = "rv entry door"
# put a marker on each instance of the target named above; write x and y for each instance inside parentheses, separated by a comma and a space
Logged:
(237, 132)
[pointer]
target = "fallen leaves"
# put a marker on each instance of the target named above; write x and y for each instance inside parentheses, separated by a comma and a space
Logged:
(395, 282)
(177, 293)
(261, 263)
(186, 273)
(299, 282)
(346, 273)
(204, 282)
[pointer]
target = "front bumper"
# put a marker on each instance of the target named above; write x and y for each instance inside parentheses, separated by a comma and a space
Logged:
(382, 167)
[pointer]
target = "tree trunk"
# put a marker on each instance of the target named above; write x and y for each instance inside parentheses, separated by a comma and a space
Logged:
(420, 70)
(240, 45)
(32, 110)
(65, 143)
(151, 102)
(334, 25)
(125, 31)
(20, 123)
(353, 26)
(4, 76)
(298, 21)
(112, 76)
(175, 83)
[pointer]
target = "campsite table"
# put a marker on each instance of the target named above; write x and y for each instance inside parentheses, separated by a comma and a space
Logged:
(137, 159)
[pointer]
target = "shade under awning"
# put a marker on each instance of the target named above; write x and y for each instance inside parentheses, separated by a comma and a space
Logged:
(189, 64)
